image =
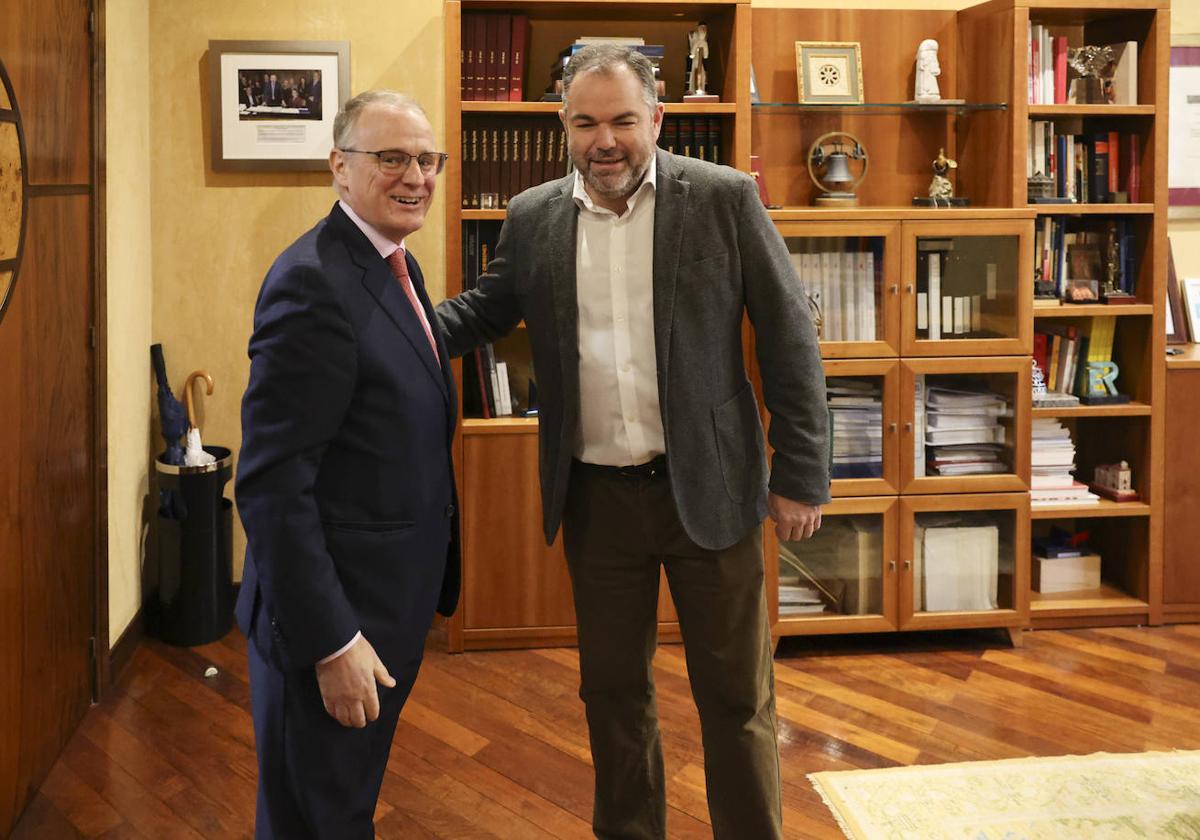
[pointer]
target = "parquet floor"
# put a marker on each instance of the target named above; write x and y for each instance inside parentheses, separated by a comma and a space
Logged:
(493, 745)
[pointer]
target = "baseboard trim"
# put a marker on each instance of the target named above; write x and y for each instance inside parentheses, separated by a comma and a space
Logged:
(122, 652)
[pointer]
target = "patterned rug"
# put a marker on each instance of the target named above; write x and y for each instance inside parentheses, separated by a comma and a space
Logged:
(1092, 797)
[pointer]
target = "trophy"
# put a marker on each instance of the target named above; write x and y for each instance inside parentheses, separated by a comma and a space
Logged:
(697, 76)
(1110, 289)
(1089, 62)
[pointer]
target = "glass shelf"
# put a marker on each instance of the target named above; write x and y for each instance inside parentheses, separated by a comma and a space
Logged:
(881, 107)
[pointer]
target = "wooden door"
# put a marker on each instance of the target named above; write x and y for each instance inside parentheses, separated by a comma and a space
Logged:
(48, 441)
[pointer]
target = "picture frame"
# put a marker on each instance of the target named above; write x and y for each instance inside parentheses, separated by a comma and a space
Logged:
(1183, 182)
(272, 103)
(1177, 328)
(1191, 303)
(829, 73)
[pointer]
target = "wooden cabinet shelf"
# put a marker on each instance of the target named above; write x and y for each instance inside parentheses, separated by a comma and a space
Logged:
(1092, 310)
(1093, 510)
(868, 108)
(1141, 209)
(1091, 110)
(1130, 409)
(1104, 600)
(554, 107)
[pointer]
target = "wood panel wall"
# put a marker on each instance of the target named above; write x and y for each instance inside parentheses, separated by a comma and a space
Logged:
(48, 400)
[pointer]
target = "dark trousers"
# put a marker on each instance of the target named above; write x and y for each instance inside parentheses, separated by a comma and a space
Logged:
(617, 531)
(316, 778)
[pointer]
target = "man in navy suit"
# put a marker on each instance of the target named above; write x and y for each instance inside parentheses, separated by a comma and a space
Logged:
(345, 483)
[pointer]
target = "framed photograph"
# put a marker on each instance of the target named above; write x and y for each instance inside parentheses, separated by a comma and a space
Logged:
(1183, 158)
(1191, 303)
(272, 103)
(1177, 329)
(829, 72)
(1084, 267)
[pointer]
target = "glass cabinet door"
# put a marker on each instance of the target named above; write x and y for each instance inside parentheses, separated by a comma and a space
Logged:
(965, 425)
(966, 560)
(851, 274)
(862, 397)
(844, 576)
(968, 288)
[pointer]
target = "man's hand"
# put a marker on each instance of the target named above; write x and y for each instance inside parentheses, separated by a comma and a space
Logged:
(793, 520)
(348, 684)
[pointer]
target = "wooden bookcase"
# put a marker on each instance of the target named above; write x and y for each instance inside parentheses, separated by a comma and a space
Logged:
(516, 591)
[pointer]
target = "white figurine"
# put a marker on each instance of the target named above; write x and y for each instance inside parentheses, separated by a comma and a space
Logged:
(697, 52)
(928, 70)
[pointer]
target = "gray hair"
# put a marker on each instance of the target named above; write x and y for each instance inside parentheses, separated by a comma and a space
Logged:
(347, 117)
(607, 59)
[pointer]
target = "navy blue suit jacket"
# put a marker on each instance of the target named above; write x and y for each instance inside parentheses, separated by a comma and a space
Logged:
(345, 483)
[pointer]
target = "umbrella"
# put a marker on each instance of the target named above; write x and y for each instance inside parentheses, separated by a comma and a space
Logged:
(173, 422)
(195, 456)
(171, 415)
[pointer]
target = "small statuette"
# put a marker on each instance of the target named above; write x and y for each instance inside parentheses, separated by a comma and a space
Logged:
(926, 87)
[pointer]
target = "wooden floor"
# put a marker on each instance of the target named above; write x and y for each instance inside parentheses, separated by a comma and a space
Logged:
(494, 744)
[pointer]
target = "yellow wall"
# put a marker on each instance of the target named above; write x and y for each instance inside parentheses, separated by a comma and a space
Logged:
(188, 248)
(1185, 235)
(197, 244)
(129, 289)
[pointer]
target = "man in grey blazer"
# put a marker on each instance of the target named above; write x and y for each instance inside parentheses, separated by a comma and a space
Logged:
(632, 275)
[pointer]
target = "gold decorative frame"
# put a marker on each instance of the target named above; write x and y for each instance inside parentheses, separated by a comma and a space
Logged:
(829, 73)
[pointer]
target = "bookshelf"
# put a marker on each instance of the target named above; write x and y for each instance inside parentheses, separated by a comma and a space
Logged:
(983, 62)
(516, 590)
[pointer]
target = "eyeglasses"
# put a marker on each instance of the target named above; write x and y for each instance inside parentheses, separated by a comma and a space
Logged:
(393, 162)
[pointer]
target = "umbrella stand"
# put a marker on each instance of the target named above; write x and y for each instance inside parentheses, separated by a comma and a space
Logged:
(194, 539)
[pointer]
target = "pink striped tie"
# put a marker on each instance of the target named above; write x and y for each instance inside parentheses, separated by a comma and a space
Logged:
(400, 269)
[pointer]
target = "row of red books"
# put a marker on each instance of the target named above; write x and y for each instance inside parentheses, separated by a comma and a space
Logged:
(493, 56)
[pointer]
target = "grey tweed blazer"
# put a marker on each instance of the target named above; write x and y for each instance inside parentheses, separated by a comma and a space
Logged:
(717, 255)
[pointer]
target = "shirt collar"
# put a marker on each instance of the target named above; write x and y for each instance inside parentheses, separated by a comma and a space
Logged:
(383, 245)
(580, 193)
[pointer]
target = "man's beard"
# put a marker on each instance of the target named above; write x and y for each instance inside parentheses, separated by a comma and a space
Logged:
(615, 186)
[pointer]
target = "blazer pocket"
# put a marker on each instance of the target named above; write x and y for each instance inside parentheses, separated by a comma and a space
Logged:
(706, 262)
(378, 527)
(735, 426)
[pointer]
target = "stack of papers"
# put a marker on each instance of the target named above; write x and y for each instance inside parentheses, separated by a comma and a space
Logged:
(963, 432)
(856, 427)
(1052, 461)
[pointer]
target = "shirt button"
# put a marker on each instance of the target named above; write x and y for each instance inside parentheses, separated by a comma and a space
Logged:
(449, 510)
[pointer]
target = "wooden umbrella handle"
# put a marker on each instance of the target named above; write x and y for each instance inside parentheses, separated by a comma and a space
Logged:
(187, 393)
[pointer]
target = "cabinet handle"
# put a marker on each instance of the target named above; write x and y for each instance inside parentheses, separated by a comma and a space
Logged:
(908, 289)
(908, 428)
(893, 288)
(892, 428)
(891, 565)
(907, 565)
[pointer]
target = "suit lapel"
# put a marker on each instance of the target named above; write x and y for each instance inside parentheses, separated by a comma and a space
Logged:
(561, 225)
(381, 284)
(670, 215)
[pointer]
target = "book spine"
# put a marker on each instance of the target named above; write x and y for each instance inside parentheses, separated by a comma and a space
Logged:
(935, 296)
(516, 66)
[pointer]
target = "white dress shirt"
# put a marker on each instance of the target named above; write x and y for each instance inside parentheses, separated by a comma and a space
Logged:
(620, 419)
(386, 248)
